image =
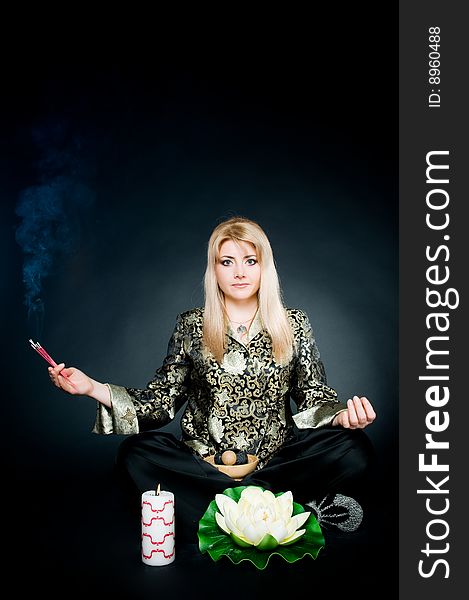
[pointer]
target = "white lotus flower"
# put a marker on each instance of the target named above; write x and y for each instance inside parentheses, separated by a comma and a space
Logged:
(259, 518)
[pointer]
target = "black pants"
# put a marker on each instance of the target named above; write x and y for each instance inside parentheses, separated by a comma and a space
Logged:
(313, 463)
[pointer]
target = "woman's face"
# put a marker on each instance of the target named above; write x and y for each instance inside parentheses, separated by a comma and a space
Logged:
(237, 270)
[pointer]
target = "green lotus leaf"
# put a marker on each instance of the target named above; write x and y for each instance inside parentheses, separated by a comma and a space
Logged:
(217, 543)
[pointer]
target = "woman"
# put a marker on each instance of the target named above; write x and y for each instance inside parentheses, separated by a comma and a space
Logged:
(236, 363)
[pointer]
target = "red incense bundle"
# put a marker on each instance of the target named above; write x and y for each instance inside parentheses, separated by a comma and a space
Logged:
(40, 350)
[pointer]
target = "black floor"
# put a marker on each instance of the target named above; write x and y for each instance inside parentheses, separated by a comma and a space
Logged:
(77, 535)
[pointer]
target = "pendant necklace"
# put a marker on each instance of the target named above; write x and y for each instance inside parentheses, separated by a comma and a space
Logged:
(242, 329)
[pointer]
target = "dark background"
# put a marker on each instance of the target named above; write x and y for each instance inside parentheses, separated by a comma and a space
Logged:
(298, 132)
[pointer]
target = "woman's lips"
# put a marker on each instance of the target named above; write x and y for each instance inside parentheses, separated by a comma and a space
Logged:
(240, 285)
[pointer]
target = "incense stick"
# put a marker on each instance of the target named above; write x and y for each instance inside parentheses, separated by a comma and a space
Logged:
(45, 355)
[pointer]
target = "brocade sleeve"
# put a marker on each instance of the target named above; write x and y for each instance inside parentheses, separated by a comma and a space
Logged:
(133, 410)
(317, 403)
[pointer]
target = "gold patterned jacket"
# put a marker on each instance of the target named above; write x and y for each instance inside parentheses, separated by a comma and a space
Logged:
(243, 403)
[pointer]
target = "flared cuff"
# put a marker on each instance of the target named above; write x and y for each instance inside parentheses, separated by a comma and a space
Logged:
(121, 418)
(317, 416)
(199, 447)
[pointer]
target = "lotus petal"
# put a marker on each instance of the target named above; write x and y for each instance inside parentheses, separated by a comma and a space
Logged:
(223, 502)
(255, 532)
(293, 538)
(221, 522)
(243, 521)
(300, 519)
(244, 505)
(263, 513)
(268, 497)
(251, 494)
(278, 530)
(285, 504)
(230, 520)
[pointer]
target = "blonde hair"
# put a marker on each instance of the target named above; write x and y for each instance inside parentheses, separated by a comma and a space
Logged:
(271, 308)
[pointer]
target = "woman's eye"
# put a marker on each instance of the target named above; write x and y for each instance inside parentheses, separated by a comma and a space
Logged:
(226, 261)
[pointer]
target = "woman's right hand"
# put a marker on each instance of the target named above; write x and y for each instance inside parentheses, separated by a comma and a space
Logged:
(74, 382)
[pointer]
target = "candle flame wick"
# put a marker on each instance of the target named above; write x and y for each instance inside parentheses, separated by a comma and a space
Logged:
(158, 490)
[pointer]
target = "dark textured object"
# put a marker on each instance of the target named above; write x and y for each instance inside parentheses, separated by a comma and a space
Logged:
(241, 457)
(343, 512)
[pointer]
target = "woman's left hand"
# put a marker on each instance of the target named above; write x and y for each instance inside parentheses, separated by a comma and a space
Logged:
(358, 415)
